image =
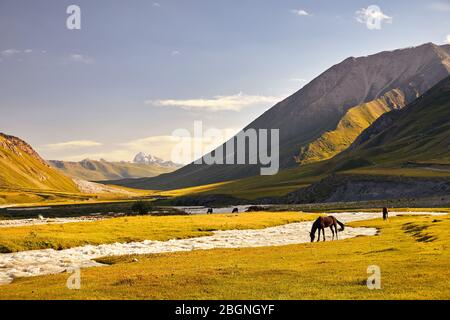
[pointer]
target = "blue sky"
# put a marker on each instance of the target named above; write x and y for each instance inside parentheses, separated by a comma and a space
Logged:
(138, 70)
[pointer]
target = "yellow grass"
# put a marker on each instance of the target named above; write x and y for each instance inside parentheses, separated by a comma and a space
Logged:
(412, 252)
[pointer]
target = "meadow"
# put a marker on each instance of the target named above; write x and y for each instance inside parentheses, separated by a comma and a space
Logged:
(412, 252)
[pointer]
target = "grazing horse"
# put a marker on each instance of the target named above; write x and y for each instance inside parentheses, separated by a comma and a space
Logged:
(324, 222)
(385, 214)
(210, 211)
(235, 210)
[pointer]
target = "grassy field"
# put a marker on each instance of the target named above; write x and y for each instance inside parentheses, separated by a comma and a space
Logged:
(35, 197)
(136, 228)
(412, 252)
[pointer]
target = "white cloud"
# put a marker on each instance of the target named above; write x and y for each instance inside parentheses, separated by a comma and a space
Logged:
(300, 12)
(79, 58)
(217, 103)
(439, 6)
(116, 155)
(156, 4)
(10, 52)
(175, 53)
(28, 51)
(73, 145)
(372, 16)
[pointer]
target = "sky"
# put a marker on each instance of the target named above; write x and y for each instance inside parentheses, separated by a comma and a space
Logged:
(138, 70)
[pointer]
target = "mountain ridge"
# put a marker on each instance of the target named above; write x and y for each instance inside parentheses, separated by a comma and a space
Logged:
(102, 170)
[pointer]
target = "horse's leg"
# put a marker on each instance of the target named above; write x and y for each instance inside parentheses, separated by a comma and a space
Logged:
(318, 232)
(337, 232)
(323, 231)
(332, 232)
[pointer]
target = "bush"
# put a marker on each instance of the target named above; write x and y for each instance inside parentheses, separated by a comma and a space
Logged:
(141, 207)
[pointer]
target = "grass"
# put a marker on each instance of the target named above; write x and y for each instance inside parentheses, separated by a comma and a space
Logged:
(34, 197)
(412, 252)
(284, 182)
(136, 228)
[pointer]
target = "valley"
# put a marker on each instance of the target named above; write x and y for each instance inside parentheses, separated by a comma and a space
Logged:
(368, 133)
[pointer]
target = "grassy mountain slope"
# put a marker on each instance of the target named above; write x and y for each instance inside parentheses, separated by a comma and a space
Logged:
(355, 121)
(418, 133)
(92, 170)
(22, 167)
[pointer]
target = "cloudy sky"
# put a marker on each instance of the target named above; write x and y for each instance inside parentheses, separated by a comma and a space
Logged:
(137, 71)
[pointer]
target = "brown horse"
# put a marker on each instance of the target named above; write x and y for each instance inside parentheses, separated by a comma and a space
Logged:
(324, 222)
(385, 214)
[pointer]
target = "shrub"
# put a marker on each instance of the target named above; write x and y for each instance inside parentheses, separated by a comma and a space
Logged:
(141, 207)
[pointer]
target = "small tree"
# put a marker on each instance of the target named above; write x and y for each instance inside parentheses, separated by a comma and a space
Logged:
(141, 207)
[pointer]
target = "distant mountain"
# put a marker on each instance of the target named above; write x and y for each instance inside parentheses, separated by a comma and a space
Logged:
(22, 168)
(328, 114)
(93, 170)
(150, 159)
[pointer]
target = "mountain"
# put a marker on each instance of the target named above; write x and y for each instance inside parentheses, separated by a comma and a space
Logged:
(328, 114)
(22, 168)
(405, 153)
(102, 170)
(150, 159)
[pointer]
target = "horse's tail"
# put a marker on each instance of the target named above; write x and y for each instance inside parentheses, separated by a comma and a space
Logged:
(341, 225)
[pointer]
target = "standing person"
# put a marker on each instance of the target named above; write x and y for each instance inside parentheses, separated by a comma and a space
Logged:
(385, 214)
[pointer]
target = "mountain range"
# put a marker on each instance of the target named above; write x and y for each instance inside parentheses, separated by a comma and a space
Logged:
(102, 170)
(326, 116)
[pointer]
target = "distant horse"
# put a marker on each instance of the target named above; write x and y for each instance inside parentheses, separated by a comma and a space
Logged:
(326, 222)
(385, 214)
(210, 211)
(235, 210)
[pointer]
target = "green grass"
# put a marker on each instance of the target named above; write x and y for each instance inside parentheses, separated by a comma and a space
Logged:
(136, 228)
(412, 252)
